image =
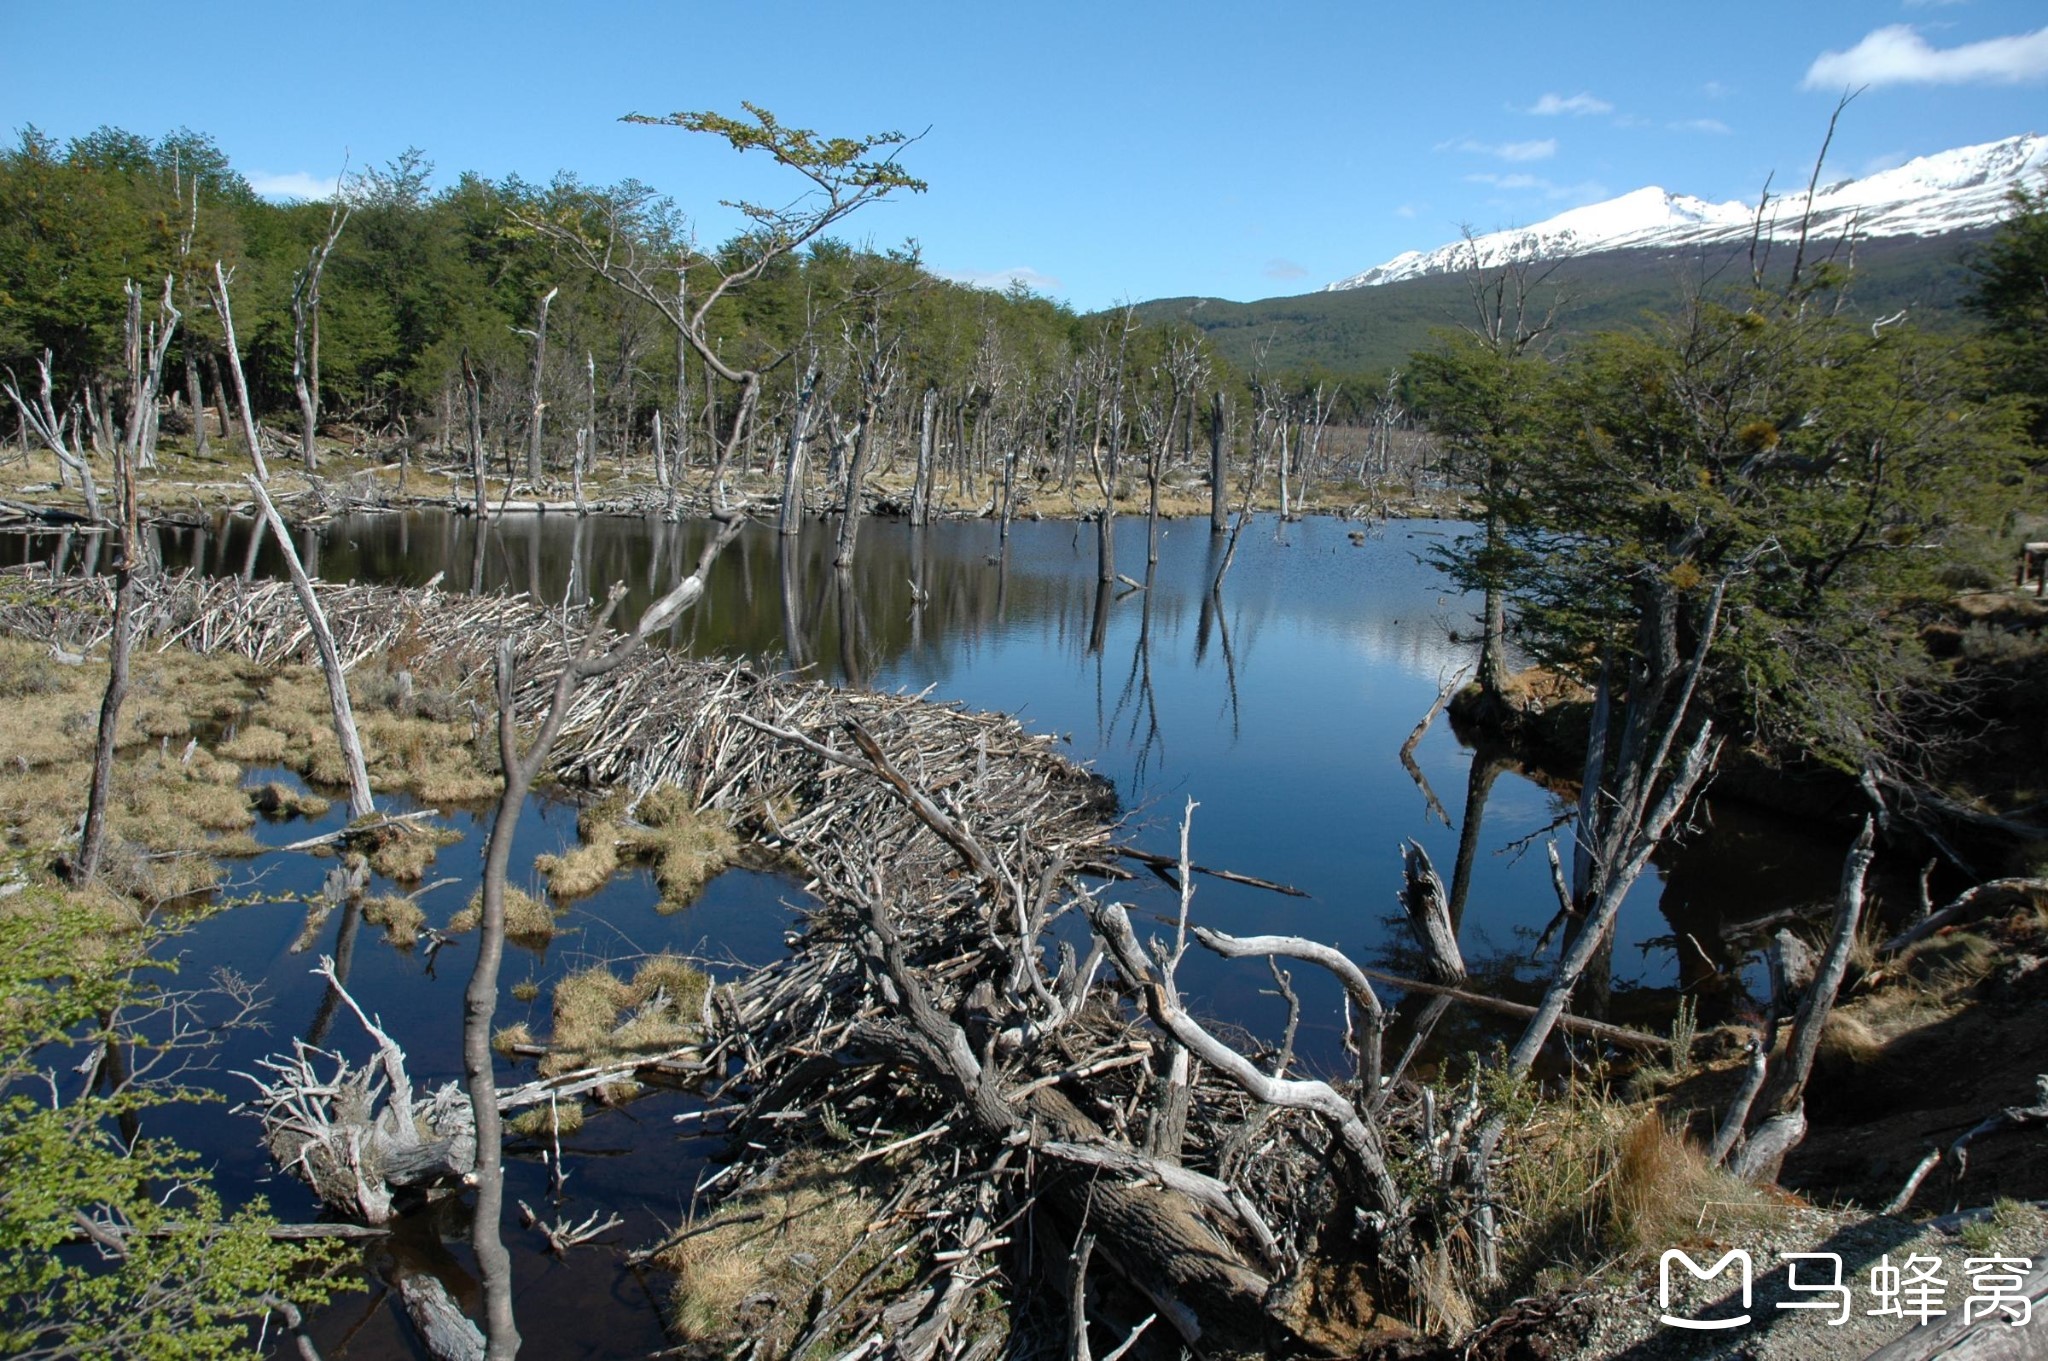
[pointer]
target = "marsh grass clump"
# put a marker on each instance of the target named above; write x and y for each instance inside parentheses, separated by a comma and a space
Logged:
(527, 919)
(400, 916)
(280, 802)
(554, 1120)
(1593, 1182)
(599, 1017)
(403, 852)
(686, 846)
(747, 1271)
(423, 745)
(175, 806)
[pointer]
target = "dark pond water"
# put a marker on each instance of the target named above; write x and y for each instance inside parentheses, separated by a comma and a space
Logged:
(1280, 709)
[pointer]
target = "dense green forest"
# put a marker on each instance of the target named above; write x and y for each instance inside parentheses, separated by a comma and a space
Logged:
(1371, 329)
(388, 295)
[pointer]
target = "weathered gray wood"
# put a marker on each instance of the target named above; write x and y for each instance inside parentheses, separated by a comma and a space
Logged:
(360, 804)
(536, 406)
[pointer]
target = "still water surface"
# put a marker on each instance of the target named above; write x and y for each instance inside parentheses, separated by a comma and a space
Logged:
(1279, 707)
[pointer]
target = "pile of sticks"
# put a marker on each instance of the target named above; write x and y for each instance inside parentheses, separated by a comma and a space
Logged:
(963, 1006)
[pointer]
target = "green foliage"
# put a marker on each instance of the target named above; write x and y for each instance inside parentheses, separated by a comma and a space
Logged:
(1767, 449)
(171, 1274)
(2010, 291)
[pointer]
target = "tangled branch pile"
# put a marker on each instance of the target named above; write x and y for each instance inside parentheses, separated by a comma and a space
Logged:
(949, 1045)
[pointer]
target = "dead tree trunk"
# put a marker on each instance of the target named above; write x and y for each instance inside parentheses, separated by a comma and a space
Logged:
(536, 407)
(790, 518)
(921, 481)
(1219, 489)
(55, 430)
(1758, 1148)
(226, 310)
(359, 801)
(306, 334)
(92, 841)
(480, 998)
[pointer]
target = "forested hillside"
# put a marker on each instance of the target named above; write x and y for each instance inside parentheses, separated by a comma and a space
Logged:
(1368, 329)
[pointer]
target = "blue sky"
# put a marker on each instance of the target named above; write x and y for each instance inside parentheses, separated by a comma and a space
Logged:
(1099, 151)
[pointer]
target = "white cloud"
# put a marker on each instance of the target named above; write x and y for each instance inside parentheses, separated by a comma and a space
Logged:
(1715, 89)
(1578, 105)
(1003, 278)
(1897, 55)
(1283, 269)
(1405, 210)
(1586, 191)
(1507, 151)
(295, 184)
(1713, 125)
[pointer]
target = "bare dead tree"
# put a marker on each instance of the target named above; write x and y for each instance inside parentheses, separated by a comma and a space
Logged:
(480, 999)
(1219, 441)
(54, 429)
(844, 176)
(360, 804)
(537, 406)
(877, 354)
(306, 330)
(147, 348)
(225, 308)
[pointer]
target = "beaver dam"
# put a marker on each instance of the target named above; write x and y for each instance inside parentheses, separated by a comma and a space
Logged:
(976, 1099)
(969, 1048)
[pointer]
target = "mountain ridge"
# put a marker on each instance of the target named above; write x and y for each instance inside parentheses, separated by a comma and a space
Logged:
(1949, 191)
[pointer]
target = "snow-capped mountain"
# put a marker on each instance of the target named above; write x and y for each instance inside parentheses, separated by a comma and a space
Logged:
(1946, 192)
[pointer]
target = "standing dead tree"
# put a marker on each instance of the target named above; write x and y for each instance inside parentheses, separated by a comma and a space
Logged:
(145, 371)
(480, 999)
(844, 175)
(224, 308)
(1775, 1082)
(360, 804)
(536, 405)
(306, 330)
(55, 429)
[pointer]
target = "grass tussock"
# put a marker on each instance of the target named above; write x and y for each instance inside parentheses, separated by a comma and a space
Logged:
(416, 741)
(556, 1120)
(400, 916)
(583, 871)
(599, 1017)
(1661, 1192)
(1590, 1182)
(175, 805)
(747, 1272)
(686, 846)
(404, 852)
(527, 919)
(280, 802)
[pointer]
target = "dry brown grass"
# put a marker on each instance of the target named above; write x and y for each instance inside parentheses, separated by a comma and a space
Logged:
(175, 806)
(280, 801)
(527, 918)
(1589, 1182)
(1661, 1192)
(748, 1271)
(599, 1017)
(400, 917)
(403, 852)
(556, 1120)
(583, 871)
(687, 845)
(415, 748)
